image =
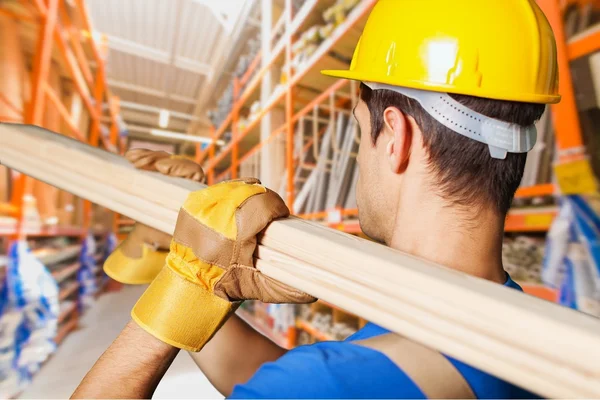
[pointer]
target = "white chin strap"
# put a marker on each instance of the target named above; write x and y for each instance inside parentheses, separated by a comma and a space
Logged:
(500, 136)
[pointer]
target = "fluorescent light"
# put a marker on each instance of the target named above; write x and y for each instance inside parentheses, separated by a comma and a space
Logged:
(183, 136)
(163, 118)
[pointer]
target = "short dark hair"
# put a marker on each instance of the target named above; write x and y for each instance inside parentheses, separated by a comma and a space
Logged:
(466, 173)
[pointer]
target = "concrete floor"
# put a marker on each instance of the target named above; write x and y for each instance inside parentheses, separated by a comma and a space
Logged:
(99, 326)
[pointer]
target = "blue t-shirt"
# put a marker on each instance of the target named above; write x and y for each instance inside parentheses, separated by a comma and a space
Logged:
(345, 370)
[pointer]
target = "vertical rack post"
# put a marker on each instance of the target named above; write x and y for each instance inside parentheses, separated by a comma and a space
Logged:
(266, 169)
(235, 128)
(98, 97)
(289, 109)
(41, 65)
(34, 110)
(98, 94)
(211, 154)
(566, 119)
(115, 107)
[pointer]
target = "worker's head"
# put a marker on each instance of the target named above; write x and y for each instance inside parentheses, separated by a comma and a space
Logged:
(449, 96)
(404, 151)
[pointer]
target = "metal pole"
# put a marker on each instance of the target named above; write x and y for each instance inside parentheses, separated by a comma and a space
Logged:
(289, 114)
(33, 113)
(266, 161)
(235, 129)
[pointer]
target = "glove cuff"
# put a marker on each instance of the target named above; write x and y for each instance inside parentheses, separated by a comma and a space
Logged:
(179, 312)
(135, 271)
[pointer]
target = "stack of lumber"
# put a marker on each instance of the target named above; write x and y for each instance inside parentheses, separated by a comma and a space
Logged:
(331, 166)
(538, 345)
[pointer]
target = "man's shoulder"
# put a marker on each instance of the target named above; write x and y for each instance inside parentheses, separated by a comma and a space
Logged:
(347, 370)
(329, 370)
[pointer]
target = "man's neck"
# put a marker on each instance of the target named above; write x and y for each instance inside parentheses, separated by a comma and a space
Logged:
(469, 243)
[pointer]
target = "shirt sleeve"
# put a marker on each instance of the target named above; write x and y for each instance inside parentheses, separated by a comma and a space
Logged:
(329, 370)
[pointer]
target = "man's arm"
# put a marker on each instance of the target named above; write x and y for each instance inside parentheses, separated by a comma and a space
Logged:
(136, 361)
(131, 367)
(191, 299)
(234, 354)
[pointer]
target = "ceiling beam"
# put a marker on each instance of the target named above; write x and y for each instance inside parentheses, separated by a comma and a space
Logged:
(163, 57)
(136, 49)
(143, 132)
(224, 54)
(188, 64)
(152, 109)
(148, 91)
(177, 136)
(169, 74)
(150, 138)
(141, 118)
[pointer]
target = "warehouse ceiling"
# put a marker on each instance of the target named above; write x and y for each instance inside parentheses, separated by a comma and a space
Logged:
(168, 55)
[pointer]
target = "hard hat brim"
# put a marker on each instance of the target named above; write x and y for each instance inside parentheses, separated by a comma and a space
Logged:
(443, 88)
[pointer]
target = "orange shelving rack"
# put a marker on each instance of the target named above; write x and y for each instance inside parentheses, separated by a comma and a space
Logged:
(63, 33)
(572, 160)
(57, 32)
(287, 97)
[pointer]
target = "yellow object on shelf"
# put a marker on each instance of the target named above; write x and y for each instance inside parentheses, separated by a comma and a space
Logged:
(530, 219)
(576, 177)
(542, 221)
(7, 208)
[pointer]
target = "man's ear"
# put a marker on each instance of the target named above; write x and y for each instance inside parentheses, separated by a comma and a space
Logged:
(398, 132)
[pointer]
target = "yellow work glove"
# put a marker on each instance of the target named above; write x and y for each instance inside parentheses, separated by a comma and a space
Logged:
(210, 267)
(141, 256)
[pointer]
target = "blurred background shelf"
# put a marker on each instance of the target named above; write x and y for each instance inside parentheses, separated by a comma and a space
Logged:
(305, 326)
(541, 292)
(538, 219)
(241, 82)
(263, 328)
(68, 290)
(65, 329)
(65, 272)
(66, 310)
(54, 256)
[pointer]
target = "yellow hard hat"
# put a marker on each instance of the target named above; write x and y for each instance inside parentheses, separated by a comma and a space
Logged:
(497, 49)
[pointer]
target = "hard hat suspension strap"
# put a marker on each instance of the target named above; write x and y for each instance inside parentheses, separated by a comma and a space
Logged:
(501, 137)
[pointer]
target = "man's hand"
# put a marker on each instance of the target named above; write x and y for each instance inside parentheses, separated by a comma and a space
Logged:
(208, 272)
(141, 256)
(210, 267)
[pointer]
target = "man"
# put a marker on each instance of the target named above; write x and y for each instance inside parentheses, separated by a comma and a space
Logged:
(438, 172)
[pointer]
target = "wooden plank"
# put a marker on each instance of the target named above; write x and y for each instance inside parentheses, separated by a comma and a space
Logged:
(316, 199)
(68, 290)
(535, 344)
(60, 255)
(68, 310)
(65, 329)
(64, 273)
(342, 168)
